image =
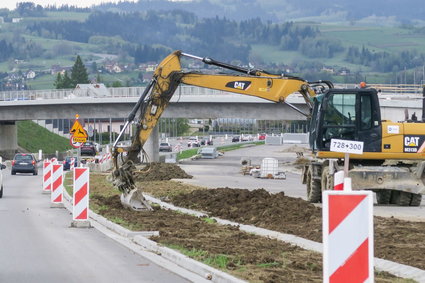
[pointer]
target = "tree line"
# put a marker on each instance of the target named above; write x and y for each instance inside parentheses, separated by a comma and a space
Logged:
(151, 35)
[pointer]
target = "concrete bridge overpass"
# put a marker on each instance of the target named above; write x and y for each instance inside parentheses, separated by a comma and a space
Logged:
(188, 102)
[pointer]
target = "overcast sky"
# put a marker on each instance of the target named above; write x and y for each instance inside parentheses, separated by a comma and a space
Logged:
(11, 4)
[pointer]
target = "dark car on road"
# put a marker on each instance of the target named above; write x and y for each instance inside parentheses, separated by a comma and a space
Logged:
(165, 146)
(24, 163)
(67, 162)
(88, 148)
(236, 139)
(206, 141)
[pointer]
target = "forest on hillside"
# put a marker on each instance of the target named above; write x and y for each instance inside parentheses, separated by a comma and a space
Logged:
(402, 11)
(150, 36)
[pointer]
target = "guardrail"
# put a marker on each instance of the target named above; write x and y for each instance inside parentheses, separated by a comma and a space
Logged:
(16, 95)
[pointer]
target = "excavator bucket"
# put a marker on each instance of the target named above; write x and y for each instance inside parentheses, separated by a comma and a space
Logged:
(131, 197)
(135, 200)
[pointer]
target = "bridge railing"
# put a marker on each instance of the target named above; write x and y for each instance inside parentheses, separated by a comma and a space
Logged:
(16, 95)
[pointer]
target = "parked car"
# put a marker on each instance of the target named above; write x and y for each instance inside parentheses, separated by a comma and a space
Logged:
(208, 152)
(165, 146)
(24, 163)
(88, 148)
(206, 141)
(2, 166)
(67, 162)
(247, 138)
(236, 139)
(261, 137)
(193, 142)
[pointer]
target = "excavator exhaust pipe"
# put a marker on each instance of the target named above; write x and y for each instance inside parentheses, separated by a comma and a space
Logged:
(423, 103)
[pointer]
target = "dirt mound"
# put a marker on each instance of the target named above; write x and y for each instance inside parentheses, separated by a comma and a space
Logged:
(247, 256)
(158, 171)
(259, 208)
(296, 148)
(395, 240)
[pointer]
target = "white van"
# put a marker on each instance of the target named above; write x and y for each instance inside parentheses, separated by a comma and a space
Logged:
(208, 152)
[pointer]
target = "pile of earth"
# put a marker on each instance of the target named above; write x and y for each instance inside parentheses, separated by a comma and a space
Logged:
(296, 148)
(259, 208)
(395, 240)
(247, 256)
(158, 171)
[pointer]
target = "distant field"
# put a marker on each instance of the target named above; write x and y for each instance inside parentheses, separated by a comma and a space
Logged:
(64, 16)
(375, 37)
(272, 54)
(42, 82)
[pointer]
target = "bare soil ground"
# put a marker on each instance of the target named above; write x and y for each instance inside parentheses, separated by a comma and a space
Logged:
(250, 257)
(157, 171)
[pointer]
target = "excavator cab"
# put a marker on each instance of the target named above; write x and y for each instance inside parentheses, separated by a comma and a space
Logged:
(348, 114)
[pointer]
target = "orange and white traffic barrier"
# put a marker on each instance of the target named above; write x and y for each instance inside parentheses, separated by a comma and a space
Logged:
(57, 184)
(348, 236)
(81, 194)
(47, 176)
(339, 181)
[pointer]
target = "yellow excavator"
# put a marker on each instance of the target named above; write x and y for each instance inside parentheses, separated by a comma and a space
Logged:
(388, 166)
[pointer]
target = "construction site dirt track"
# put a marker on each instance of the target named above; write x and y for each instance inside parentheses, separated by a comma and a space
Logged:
(263, 260)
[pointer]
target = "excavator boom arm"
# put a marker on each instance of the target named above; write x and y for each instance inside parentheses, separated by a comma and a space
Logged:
(169, 75)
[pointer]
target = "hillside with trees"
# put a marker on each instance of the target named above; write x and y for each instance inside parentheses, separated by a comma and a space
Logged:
(401, 11)
(118, 42)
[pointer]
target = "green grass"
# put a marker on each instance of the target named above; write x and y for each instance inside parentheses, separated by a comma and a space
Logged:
(269, 264)
(238, 145)
(68, 183)
(192, 152)
(209, 220)
(218, 261)
(42, 82)
(33, 137)
(187, 153)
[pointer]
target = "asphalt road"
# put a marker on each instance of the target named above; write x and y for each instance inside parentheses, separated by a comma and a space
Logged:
(38, 245)
(225, 171)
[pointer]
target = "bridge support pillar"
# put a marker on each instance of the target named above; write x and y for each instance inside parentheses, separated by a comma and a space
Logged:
(8, 139)
(152, 145)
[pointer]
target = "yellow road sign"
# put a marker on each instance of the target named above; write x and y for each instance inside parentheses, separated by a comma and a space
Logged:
(79, 139)
(78, 131)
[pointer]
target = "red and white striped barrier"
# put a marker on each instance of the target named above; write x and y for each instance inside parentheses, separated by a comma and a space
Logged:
(339, 181)
(47, 176)
(81, 194)
(347, 236)
(71, 163)
(53, 160)
(57, 184)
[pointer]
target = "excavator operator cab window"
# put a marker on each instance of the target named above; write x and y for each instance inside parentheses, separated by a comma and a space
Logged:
(339, 117)
(365, 112)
